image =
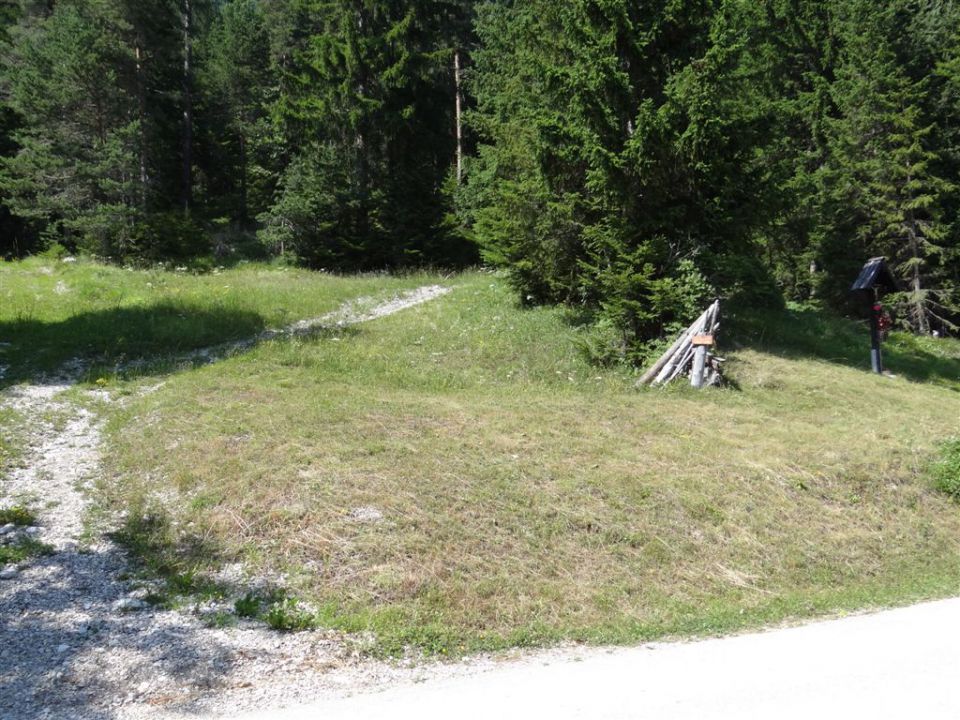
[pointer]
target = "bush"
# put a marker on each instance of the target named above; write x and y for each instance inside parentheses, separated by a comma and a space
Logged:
(17, 515)
(55, 251)
(946, 476)
(287, 615)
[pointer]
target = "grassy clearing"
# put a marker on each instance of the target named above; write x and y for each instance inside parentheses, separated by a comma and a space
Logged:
(52, 312)
(457, 477)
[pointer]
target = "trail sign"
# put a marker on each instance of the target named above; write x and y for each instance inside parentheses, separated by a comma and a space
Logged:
(874, 279)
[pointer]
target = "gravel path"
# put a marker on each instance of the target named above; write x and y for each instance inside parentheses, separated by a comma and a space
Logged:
(77, 639)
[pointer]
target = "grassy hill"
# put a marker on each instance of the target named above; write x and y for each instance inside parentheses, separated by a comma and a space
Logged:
(458, 477)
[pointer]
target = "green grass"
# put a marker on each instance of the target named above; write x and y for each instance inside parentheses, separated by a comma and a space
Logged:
(25, 547)
(23, 550)
(808, 333)
(946, 471)
(18, 515)
(527, 497)
(458, 477)
(53, 312)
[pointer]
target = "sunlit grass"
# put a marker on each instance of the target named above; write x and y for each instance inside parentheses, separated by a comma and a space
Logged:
(53, 312)
(523, 496)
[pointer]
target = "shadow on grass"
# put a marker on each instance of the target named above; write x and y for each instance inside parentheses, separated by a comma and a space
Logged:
(817, 334)
(31, 349)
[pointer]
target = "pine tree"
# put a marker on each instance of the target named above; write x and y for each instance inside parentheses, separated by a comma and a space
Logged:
(363, 104)
(236, 84)
(880, 183)
(15, 237)
(604, 175)
(75, 168)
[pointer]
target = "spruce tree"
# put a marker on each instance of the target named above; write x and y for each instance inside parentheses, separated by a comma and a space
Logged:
(362, 104)
(881, 186)
(236, 83)
(75, 167)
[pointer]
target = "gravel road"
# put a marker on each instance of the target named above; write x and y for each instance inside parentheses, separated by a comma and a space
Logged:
(77, 639)
(896, 664)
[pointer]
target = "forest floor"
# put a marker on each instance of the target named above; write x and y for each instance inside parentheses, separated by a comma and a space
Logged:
(446, 481)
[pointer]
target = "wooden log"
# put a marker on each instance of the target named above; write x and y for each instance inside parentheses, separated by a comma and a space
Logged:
(654, 371)
(678, 357)
(699, 364)
(681, 365)
(672, 368)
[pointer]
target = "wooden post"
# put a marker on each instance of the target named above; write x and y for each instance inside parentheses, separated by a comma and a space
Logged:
(699, 364)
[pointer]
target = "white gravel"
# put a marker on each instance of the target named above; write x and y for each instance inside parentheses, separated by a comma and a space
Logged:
(77, 639)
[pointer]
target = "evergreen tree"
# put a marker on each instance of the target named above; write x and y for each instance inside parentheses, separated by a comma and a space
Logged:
(606, 173)
(362, 104)
(237, 85)
(15, 238)
(75, 165)
(880, 185)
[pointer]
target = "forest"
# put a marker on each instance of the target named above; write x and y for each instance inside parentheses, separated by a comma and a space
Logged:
(632, 159)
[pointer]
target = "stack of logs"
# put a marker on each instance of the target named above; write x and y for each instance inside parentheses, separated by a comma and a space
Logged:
(690, 354)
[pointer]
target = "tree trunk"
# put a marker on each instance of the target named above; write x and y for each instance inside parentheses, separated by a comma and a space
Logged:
(457, 81)
(920, 320)
(142, 121)
(244, 218)
(186, 177)
(362, 161)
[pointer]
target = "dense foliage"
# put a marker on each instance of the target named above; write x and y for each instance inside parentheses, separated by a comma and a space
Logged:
(632, 157)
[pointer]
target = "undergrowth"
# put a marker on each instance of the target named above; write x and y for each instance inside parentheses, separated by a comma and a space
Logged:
(23, 549)
(946, 473)
(17, 515)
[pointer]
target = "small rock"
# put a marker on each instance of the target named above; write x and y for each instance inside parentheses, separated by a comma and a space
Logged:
(366, 515)
(9, 572)
(62, 648)
(129, 604)
(8, 528)
(32, 530)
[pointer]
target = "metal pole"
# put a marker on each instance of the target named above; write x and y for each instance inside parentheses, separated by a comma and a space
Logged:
(876, 358)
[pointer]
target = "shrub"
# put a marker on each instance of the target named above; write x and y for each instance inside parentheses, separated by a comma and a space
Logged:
(248, 606)
(17, 515)
(288, 615)
(946, 476)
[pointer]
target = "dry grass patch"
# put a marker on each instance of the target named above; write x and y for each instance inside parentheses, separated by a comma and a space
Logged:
(458, 477)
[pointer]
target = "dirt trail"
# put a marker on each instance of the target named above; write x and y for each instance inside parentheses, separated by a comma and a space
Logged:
(77, 639)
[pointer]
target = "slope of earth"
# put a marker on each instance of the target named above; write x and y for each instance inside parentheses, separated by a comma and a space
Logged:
(459, 478)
